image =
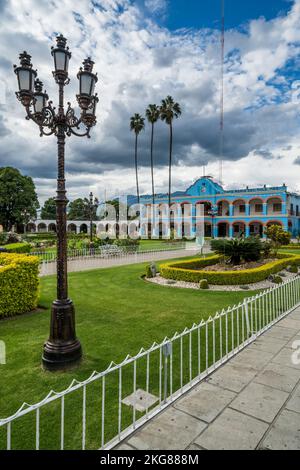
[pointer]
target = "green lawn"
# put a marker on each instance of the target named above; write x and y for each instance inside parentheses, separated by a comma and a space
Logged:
(117, 313)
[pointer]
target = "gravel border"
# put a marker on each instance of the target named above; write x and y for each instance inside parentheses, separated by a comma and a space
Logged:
(193, 285)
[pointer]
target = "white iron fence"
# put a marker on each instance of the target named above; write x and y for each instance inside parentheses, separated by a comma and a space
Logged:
(104, 251)
(92, 414)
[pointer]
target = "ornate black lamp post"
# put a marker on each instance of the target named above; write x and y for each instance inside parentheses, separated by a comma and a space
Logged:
(93, 205)
(62, 348)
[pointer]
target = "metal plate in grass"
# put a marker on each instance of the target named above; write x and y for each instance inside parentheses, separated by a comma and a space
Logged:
(141, 399)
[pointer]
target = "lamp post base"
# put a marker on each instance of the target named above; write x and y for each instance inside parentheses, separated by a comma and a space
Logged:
(63, 349)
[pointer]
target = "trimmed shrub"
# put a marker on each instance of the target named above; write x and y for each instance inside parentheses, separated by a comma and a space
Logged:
(19, 284)
(149, 274)
(203, 284)
(293, 269)
(278, 280)
(190, 271)
(17, 248)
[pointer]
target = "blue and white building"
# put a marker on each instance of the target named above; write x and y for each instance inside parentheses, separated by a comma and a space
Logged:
(229, 213)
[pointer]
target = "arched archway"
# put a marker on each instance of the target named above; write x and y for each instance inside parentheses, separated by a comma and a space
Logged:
(239, 207)
(256, 206)
(31, 227)
(223, 229)
(42, 227)
(223, 208)
(72, 228)
(52, 227)
(239, 229)
(256, 228)
(274, 205)
(83, 228)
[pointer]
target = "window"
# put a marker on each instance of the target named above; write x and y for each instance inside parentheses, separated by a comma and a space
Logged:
(277, 207)
(242, 209)
(297, 211)
(292, 209)
(258, 207)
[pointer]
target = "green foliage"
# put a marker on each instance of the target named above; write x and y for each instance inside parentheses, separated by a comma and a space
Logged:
(149, 274)
(190, 271)
(18, 199)
(19, 284)
(248, 249)
(48, 211)
(277, 280)
(127, 243)
(80, 209)
(18, 248)
(278, 236)
(203, 284)
(293, 269)
(267, 248)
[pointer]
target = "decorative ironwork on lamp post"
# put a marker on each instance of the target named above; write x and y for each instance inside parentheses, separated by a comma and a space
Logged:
(62, 348)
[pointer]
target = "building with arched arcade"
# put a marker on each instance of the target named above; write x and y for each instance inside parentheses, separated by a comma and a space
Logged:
(230, 213)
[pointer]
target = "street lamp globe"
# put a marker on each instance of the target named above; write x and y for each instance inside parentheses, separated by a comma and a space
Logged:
(87, 80)
(26, 77)
(40, 98)
(61, 55)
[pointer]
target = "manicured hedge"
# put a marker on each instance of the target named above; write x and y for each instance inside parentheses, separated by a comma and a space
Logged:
(17, 248)
(187, 271)
(19, 283)
(292, 246)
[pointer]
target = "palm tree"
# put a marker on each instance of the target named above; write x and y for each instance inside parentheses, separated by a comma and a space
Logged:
(169, 110)
(137, 124)
(152, 114)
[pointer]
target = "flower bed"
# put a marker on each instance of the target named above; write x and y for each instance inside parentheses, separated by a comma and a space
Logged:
(190, 271)
(19, 284)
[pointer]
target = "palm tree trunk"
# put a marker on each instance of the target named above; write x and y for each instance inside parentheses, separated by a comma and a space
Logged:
(136, 169)
(170, 162)
(152, 166)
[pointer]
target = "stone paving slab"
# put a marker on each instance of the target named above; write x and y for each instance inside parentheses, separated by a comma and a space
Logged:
(205, 401)
(284, 357)
(280, 333)
(172, 429)
(294, 402)
(276, 376)
(260, 401)
(253, 358)
(251, 402)
(233, 377)
(232, 431)
(269, 344)
(285, 433)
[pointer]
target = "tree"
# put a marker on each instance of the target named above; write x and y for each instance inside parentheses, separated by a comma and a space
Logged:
(278, 236)
(248, 249)
(168, 111)
(48, 211)
(137, 124)
(17, 197)
(79, 209)
(152, 114)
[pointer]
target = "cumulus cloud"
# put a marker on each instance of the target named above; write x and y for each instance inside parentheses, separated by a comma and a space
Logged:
(139, 63)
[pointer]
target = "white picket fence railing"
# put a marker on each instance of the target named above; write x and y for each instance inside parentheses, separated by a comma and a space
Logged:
(105, 251)
(92, 414)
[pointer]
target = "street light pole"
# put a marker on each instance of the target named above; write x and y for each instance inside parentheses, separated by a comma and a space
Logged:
(63, 348)
(93, 205)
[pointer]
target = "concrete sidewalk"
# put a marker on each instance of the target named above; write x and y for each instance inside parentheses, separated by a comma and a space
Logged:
(89, 263)
(252, 402)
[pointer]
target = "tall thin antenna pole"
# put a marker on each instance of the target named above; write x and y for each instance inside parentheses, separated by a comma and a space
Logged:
(222, 92)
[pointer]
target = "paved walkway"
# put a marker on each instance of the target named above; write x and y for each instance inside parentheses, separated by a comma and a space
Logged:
(88, 263)
(252, 402)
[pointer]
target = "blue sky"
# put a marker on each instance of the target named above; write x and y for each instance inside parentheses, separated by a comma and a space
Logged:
(145, 50)
(206, 13)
